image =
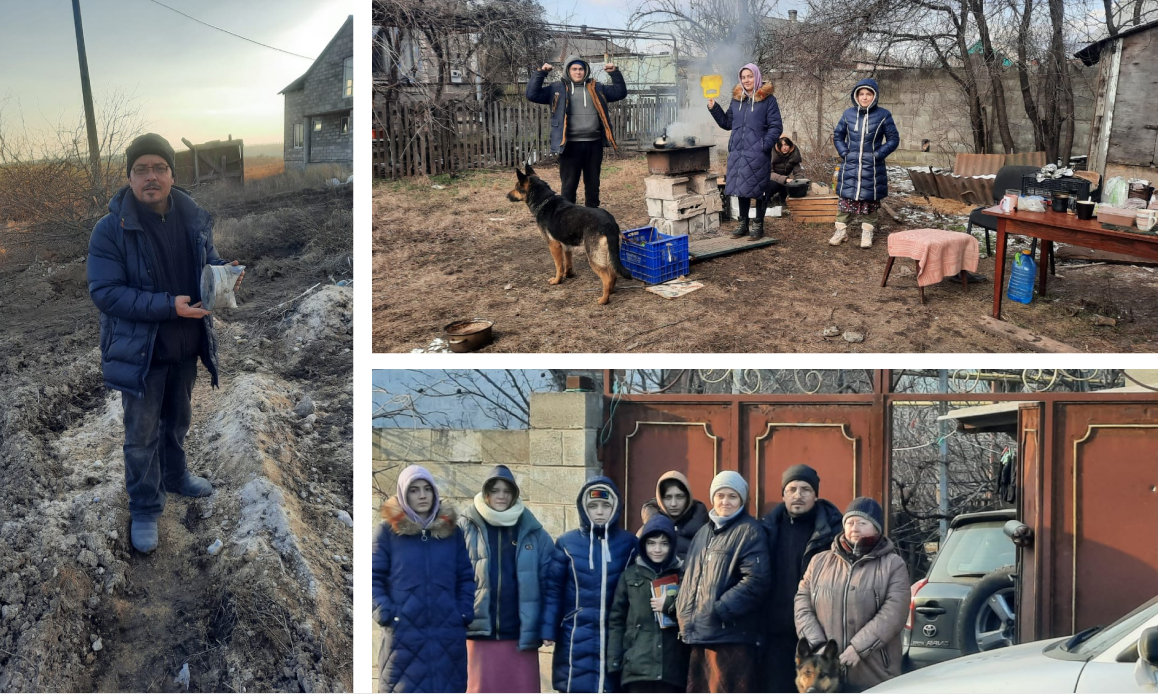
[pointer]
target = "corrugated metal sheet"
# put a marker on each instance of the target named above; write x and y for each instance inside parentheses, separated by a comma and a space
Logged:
(977, 164)
(925, 183)
(1025, 159)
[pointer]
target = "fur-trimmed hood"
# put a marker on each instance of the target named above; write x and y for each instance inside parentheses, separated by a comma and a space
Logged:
(762, 93)
(442, 528)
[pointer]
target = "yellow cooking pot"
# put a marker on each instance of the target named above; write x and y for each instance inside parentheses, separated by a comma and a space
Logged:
(711, 85)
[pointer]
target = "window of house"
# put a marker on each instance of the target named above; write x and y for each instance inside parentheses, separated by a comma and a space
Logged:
(299, 135)
(317, 126)
(348, 77)
(344, 125)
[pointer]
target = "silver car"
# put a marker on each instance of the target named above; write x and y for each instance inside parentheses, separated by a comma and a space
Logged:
(1122, 657)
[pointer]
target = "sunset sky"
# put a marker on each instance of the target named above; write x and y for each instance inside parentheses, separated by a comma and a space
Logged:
(189, 80)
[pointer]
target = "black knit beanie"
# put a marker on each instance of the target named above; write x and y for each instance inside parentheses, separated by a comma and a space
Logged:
(149, 143)
(867, 508)
(802, 473)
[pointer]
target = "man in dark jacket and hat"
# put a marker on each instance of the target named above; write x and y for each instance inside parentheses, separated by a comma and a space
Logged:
(798, 528)
(580, 128)
(145, 259)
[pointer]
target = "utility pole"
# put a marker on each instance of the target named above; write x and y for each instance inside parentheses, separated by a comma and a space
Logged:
(94, 153)
(943, 486)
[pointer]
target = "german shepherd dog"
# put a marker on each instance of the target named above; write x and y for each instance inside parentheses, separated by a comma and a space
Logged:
(818, 672)
(564, 224)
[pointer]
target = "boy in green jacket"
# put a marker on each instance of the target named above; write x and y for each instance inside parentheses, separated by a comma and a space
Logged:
(649, 658)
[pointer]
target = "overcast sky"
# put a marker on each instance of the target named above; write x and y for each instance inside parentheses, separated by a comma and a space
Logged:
(189, 80)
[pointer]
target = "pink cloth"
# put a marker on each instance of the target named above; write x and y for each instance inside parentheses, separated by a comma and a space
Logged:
(940, 253)
(499, 666)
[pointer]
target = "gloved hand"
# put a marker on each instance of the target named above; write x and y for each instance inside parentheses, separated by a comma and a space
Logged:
(850, 657)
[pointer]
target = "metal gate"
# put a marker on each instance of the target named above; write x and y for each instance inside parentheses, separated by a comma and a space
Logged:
(757, 436)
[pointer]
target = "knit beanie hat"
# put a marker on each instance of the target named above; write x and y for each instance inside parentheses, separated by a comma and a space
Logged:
(800, 473)
(599, 491)
(149, 143)
(867, 508)
(730, 479)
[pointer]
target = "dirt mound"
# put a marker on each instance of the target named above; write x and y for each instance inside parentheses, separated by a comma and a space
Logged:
(271, 609)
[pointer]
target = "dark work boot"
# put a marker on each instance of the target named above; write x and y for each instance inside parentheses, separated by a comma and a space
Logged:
(143, 535)
(191, 485)
(757, 230)
(742, 230)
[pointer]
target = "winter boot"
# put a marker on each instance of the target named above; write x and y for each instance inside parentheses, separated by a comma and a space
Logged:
(866, 235)
(742, 230)
(192, 485)
(757, 230)
(840, 236)
(144, 535)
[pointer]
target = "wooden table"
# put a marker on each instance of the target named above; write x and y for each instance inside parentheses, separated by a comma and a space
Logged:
(1066, 228)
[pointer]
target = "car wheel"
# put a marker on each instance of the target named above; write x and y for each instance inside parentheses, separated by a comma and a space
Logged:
(988, 616)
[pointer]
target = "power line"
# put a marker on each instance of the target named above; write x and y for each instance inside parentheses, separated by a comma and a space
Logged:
(259, 43)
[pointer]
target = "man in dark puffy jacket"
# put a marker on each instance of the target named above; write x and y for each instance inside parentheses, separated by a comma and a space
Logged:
(580, 128)
(144, 267)
(798, 528)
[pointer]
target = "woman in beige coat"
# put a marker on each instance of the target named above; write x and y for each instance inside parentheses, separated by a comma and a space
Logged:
(857, 594)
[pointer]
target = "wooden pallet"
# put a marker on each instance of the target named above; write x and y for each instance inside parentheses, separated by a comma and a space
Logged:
(702, 249)
(813, 209)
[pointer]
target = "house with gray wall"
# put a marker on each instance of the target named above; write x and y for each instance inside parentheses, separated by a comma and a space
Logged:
(319, 107)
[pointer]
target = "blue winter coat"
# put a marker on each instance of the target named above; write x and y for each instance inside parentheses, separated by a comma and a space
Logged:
(533, 552)
(863, 138)
(121, 268)
(727, 577)
(755, 125)
(558, 95)
(580, 590)
(423, 593)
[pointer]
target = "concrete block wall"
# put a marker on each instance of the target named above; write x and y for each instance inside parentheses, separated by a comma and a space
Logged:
(550, 461)
(322, 91)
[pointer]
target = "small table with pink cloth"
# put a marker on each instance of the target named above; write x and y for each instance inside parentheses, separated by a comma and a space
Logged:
(939, 254)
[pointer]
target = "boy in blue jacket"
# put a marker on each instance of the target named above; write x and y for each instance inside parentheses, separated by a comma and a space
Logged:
(864, 136)
(580, 587)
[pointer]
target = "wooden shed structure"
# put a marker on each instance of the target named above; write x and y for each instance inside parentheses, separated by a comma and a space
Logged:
(1124, 132)
(219, 160)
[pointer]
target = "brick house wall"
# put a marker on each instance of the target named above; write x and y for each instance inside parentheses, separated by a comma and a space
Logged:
(317, 103)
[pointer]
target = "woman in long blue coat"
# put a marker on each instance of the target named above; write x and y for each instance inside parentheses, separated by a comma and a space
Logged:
(864, 136)
(754, 119)
(423, 590)
(580, 589)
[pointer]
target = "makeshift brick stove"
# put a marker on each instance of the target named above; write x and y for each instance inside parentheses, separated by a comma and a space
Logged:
(682, 194)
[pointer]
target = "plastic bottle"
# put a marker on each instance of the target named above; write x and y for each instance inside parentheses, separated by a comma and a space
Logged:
(835, 179)
(1022, 277)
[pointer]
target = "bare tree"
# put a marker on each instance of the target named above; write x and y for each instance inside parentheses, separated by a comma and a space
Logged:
(45, 176)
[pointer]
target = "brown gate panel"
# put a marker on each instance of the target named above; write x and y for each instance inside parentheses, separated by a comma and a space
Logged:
(1029, 511)
(830, 438)
(647, 441)
(1107, 507)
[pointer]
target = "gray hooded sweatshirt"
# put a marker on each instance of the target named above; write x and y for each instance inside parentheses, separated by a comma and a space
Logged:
(582, 119)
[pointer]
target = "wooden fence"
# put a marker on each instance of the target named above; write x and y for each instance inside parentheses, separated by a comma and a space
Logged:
(421, 139)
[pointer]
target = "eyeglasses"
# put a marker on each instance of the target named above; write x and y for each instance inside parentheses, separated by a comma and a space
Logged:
(143, 170)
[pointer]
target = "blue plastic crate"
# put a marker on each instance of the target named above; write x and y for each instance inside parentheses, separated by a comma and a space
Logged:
(653, 257)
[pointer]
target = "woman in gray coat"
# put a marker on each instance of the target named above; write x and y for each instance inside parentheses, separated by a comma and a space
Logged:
(510, 552)
(857, 594)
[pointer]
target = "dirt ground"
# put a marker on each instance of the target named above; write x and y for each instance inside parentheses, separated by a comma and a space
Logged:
(461, 250)
(81, 610)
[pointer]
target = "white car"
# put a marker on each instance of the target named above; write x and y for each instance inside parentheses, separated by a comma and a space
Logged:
(1122, 657)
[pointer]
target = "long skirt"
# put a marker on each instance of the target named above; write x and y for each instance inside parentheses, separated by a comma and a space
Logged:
(725, 667)
(499, 666)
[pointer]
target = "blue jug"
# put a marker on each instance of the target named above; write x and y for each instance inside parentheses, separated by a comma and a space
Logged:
(1022, 277)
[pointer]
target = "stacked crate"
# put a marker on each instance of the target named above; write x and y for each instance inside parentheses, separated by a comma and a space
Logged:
(687, 203)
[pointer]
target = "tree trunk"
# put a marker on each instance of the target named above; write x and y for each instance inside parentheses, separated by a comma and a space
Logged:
(1023, 76)
(1109, 5)
(994, 70)
(969, 81)
(1065, 90)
